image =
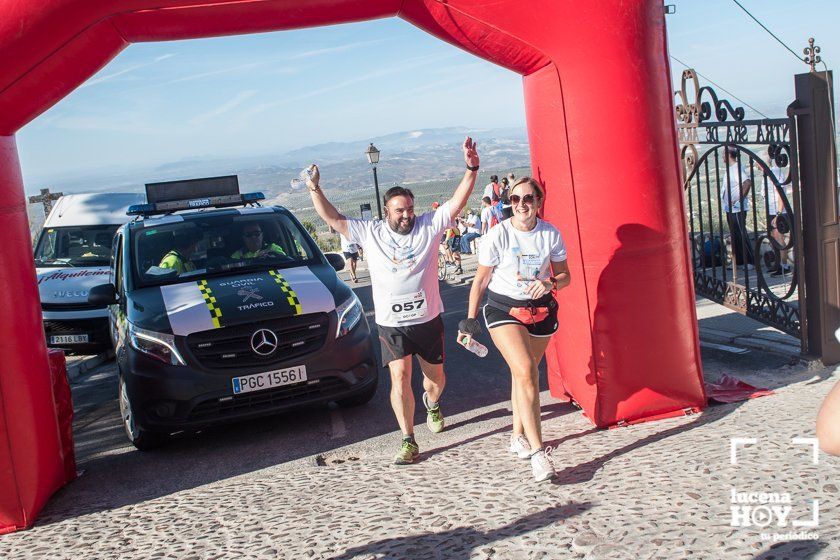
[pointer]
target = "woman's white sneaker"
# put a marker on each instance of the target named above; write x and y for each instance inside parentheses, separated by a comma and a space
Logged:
(541, 465)
(520, 447)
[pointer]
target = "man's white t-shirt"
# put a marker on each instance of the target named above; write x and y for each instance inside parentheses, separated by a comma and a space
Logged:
(403, 268)
(520, 257)
(473, 224)
(773, 205)
(486, 214)
(736, 175)
(489, 191)
(347, 246)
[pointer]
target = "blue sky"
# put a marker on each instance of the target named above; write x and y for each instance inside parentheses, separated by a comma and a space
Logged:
(269, 93)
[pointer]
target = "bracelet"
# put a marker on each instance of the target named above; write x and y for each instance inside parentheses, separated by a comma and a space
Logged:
(316, 188)
(472, 168)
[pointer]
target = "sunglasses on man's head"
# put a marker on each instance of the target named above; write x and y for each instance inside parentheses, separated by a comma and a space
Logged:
(527, 199)
(252, 233)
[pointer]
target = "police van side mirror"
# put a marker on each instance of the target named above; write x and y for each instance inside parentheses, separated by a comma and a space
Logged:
(104, 294)
(336, 260)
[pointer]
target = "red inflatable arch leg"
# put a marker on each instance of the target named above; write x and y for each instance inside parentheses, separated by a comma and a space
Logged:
(31, 466)
(601, 128)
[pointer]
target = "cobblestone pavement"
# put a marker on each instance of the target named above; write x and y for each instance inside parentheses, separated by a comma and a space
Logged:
(318, 483)
(656, 490)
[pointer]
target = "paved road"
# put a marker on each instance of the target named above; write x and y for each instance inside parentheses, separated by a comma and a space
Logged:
(319, 484)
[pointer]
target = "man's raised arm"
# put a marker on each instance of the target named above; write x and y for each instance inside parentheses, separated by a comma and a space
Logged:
(462, 193)
(324, 207)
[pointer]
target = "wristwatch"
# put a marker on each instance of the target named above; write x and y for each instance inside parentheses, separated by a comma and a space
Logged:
(472, 168)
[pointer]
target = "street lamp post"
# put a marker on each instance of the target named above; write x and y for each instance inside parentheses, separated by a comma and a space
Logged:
(373, 158)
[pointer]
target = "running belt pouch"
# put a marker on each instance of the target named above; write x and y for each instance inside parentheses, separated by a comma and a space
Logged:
(531, 315)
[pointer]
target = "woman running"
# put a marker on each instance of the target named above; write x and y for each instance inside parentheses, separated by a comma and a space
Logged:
(521, 263)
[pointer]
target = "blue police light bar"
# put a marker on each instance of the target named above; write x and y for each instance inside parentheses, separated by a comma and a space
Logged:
(169, 206)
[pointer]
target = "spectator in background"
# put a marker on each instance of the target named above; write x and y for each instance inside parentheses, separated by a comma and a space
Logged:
(452, 240)
(735, 201)
(473, 231)
(505, 210)
(351, 253)
(486, 215)
(829, 418)
(777, 215)
(462, 225)
(492, 189)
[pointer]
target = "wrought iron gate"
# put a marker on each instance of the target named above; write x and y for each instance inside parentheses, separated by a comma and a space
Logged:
(743, 213)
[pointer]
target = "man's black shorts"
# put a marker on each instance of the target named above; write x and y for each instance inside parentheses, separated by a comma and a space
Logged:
(425, 340)
(351, 256)
(495, 317)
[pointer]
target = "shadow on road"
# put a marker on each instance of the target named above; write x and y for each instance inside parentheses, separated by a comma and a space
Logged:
(458, 543)
(800, 550)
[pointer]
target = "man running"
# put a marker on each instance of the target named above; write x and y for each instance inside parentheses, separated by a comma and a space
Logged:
(401, 252)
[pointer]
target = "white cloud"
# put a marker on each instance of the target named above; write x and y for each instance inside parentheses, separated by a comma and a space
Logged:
(128, 70)
(237, 100)
(405, 65)
(212, 73)
(341, 48)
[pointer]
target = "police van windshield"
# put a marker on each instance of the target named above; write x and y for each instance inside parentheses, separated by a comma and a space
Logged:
(75, 246)
(167, 251)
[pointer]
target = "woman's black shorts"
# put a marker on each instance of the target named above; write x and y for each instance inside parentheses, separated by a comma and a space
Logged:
(352, 256)
(496, 313)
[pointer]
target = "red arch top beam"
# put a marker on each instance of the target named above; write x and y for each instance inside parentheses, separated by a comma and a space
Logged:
(62, 42)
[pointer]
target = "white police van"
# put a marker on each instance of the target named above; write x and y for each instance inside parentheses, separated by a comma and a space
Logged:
(222, 309)
(72, 255)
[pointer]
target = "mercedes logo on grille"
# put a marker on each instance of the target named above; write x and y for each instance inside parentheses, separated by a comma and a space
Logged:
(264, 342)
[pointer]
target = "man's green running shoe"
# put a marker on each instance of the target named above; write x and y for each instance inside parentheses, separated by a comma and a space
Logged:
(408, 452)
(434, 417)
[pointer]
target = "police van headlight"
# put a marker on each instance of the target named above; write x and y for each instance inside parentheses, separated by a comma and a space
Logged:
(349, 314)
(157, 345)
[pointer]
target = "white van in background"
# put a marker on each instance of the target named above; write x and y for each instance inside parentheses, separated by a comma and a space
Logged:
(73, 253)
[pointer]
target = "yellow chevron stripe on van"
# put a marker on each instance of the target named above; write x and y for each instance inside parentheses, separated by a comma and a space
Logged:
(210, 300)
(291, 296)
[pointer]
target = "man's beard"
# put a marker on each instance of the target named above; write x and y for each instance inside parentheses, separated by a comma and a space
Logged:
(402, 226)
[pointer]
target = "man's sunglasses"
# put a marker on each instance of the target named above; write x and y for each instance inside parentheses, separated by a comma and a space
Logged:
(527, 199)
(252, 234)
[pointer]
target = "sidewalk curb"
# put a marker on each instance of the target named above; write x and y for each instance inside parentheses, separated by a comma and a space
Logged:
(777, 346)
(81, 367)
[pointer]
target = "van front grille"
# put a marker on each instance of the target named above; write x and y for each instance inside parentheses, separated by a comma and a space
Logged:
(230, 347)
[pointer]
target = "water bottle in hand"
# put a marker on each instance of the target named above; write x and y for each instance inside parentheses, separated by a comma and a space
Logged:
(472, 345)
(299, 182)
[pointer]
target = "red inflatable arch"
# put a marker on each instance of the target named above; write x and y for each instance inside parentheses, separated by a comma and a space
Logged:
(600, 124)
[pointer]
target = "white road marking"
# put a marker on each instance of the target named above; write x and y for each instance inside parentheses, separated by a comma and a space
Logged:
(337, 428)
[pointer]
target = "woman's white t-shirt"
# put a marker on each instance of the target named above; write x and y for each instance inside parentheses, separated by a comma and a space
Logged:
(520, 257)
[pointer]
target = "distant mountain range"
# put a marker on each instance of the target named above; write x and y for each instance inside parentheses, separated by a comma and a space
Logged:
(409, 156)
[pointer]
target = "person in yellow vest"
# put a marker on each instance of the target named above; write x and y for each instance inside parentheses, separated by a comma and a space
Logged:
(179, 257)
(254, 246)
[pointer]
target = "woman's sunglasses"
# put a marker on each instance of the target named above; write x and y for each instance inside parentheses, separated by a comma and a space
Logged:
(527, 199)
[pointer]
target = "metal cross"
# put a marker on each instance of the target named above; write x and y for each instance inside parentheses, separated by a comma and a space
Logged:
(811, 54)
(46, 197)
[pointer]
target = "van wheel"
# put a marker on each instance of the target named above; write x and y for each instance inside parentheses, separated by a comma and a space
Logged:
(361, 398)
(142, 439)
